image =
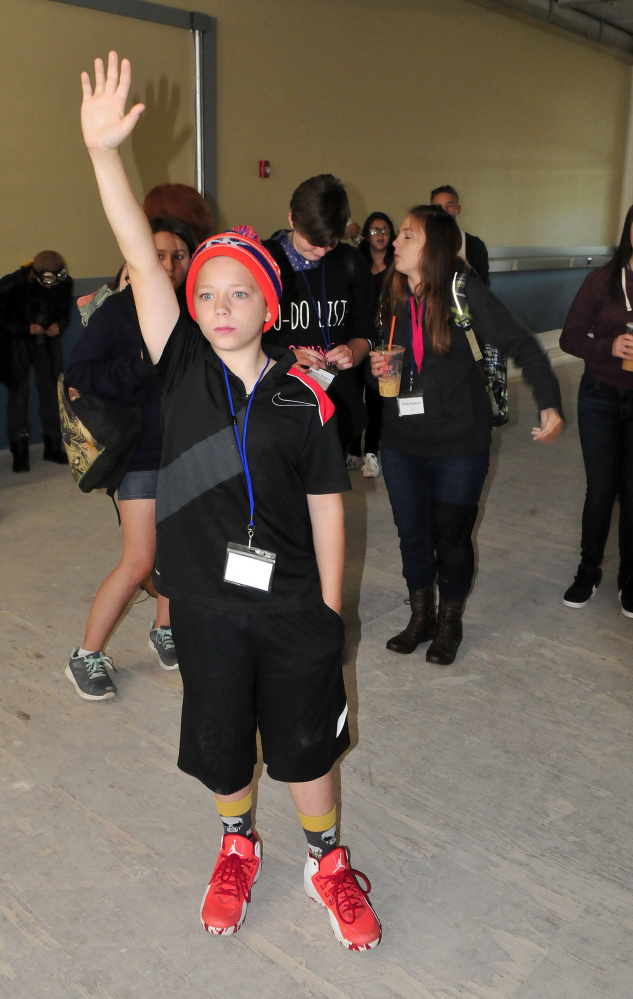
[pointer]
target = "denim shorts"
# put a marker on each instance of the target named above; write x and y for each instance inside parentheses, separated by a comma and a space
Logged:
(138, 485)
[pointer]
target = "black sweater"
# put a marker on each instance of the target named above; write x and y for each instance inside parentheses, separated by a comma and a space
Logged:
(351, 304)
(106, 361)
(457, 416)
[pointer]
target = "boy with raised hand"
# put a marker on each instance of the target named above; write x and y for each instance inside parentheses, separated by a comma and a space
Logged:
(250, 538)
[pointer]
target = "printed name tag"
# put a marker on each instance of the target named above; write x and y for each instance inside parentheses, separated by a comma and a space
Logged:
(323, 377)
(410, 405)
(253, 567)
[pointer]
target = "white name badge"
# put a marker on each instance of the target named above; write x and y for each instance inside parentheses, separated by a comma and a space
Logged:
(253, 567)
(410, 405)
(323, 377)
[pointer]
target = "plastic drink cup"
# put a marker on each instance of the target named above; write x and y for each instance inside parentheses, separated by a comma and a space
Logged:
(389, 380)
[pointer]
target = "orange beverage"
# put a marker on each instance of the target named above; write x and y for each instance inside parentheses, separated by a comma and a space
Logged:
(389, 380)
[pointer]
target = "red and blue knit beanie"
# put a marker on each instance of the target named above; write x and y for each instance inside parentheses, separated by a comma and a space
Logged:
(243, 244)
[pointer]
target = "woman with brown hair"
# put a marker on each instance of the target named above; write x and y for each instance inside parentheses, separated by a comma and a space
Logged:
(602, 308)
(436, 433)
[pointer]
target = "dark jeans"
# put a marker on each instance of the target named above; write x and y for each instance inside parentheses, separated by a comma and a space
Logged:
(605, 424)
(46, 382)
(373, 405)
(434, 503)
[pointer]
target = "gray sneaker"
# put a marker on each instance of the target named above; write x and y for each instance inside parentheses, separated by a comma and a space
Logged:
(90, 676)
(161, 642)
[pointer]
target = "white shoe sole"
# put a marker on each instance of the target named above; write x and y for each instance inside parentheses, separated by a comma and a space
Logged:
(150, 645)
(312, 893)
(87, 697)
(576, 606)
(225, 931)
(625, 612)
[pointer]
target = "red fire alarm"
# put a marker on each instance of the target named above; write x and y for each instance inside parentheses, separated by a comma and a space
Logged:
(264, 168)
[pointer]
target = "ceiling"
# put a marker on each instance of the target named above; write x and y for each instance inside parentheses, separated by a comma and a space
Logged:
(606, 22)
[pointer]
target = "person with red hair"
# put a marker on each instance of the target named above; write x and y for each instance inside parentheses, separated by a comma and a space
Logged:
(182, 202)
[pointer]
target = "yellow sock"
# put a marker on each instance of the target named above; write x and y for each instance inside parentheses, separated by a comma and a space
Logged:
(236, 815)
(320, 831)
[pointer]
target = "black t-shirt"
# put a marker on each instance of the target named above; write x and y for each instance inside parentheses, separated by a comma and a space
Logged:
(202, 499)
(341, 288)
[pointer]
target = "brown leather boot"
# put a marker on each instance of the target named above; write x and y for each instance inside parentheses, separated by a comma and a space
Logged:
(421, 626)
(448, 634)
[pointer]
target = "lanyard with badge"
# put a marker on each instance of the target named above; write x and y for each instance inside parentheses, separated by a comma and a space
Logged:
(245, 565)
(324, 376)
(412, 403)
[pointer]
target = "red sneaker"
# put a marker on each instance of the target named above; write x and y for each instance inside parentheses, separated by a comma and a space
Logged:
(332, 882)
(236, 871)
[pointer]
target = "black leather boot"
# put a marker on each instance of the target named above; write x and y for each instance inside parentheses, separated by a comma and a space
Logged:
(54, 450)
(448, 634)
(421, 626)
(20, 451)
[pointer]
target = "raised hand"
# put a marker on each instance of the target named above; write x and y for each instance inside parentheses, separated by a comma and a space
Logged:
(103, 119)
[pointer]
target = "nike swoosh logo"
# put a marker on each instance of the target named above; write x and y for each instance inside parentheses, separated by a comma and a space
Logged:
(278, 400)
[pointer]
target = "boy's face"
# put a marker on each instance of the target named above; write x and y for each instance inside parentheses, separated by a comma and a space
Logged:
(229, 303)
(303, 245)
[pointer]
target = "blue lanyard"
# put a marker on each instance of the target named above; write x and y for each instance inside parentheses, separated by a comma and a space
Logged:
(325, 330)
(241, 444)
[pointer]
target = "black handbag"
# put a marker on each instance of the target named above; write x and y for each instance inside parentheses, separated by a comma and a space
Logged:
(100, 437)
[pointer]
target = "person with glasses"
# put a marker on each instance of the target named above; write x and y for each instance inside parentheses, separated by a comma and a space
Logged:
(327, 308)
(473, 250)
(376, 246)
(35, 304)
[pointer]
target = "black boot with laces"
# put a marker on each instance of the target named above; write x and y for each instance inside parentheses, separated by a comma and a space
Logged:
(421, 627)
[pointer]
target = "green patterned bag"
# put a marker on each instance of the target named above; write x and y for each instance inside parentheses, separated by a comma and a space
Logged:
(100, 437)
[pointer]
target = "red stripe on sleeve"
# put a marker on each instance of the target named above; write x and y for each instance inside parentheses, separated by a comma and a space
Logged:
(326, 406)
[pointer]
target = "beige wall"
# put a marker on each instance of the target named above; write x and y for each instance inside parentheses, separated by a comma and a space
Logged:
(399, 97)
(48, 196)
(394, 97)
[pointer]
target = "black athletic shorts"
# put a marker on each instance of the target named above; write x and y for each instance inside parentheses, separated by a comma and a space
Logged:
(282, 673)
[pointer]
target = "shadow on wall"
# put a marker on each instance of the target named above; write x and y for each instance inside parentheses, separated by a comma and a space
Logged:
(155, 142)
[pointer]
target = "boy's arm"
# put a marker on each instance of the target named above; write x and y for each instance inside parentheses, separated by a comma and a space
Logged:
(105, 126)
(328, 533)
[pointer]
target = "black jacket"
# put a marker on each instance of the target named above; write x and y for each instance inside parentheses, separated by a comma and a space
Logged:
(23, 302)
(477, 257)
(457, 416)
(107, 362)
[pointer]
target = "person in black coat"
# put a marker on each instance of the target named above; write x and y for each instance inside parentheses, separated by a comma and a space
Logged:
(327, 308)
(436, 432)
(107, 361)
(35, 303)
(473, 250)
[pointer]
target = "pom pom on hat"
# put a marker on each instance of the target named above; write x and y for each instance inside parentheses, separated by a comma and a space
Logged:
(242, 244)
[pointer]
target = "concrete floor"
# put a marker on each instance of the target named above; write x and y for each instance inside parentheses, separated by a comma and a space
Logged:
(489, 803)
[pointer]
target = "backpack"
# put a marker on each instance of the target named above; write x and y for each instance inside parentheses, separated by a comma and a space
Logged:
(494, 365)
(100, 437)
